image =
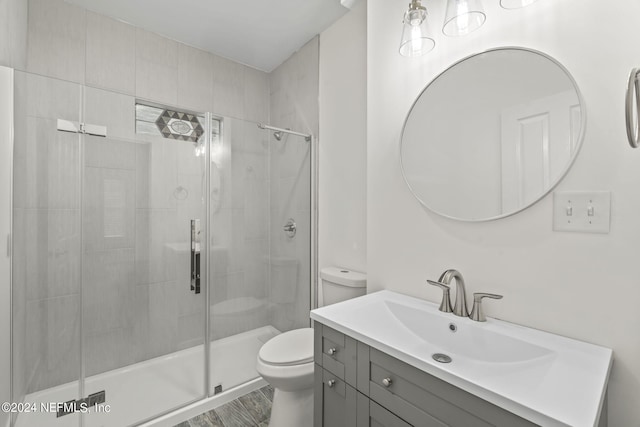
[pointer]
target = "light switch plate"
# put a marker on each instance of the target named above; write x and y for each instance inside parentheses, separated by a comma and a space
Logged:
(582, 211)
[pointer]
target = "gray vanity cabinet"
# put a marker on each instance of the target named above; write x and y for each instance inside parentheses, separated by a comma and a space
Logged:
(359, 386)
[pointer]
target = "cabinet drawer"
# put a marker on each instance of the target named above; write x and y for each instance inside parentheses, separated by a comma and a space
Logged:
(426, 401)
(336, 353)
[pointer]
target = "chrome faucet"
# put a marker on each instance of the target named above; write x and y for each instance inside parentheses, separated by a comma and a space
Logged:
(477, 313)
(460, 306)
(445, 305)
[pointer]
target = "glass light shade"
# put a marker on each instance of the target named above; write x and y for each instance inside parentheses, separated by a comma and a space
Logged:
(515, 4)
(463, 17)
(416, 37)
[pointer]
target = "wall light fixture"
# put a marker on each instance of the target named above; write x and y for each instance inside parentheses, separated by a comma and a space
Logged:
(461, 18)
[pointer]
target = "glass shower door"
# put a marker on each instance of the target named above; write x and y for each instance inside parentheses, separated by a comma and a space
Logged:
(47, 259)
(144, 288)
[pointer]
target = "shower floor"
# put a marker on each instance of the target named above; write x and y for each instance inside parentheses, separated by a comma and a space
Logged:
(146, 389)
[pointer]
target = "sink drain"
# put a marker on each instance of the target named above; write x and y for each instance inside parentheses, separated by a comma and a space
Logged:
(441, 358)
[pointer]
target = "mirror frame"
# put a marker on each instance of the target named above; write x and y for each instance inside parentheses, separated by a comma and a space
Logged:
(583, 126)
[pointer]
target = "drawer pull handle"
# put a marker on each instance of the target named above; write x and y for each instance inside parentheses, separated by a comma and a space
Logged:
(332, 351)
(386, 382)
(331, 383)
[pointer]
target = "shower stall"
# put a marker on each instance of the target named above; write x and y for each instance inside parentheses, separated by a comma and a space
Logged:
(154, 250)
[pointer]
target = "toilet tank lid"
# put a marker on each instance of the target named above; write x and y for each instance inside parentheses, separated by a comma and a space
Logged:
(344, 276)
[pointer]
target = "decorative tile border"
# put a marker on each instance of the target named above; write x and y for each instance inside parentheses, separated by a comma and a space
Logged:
(168, 123)
(179, 125)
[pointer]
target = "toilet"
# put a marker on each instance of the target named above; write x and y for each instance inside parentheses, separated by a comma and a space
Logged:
(286, 360)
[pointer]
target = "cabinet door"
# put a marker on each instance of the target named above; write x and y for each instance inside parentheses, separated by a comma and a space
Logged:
(334, 401)
(370, 414)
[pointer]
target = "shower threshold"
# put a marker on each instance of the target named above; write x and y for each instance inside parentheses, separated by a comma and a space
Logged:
(146, 389)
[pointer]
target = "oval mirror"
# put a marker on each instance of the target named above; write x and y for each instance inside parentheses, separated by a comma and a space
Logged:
(492, 134)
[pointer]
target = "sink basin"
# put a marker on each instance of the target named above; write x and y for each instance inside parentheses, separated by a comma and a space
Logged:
(461, 338)
(545, 378)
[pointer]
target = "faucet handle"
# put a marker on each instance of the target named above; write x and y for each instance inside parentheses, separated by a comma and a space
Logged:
(445, 305)
(477, 313)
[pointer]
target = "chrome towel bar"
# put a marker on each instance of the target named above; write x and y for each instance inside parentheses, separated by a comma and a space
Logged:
(633, 97)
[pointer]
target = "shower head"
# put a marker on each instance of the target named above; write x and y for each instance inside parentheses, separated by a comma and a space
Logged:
(280, 135)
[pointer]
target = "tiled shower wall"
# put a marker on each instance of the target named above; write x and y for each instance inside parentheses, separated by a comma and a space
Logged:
(71, 43)
(293, 104)
(131, 311)
(132, 306)
(239, 220)
(13, 33)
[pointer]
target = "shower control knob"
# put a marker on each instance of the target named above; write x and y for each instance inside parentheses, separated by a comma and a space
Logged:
(386, 382)
(331, 383)
(290, 228)
(332, 351)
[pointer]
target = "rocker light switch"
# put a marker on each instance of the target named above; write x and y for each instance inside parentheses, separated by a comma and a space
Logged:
(582, 211)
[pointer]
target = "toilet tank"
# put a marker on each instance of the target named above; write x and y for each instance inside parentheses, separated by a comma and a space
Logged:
(339, 284)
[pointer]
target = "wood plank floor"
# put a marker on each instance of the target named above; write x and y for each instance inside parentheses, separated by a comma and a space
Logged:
(250, 410)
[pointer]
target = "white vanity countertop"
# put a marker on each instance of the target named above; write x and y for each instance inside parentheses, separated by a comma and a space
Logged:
(544, 378)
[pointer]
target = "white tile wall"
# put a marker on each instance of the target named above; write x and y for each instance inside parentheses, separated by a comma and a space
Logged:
(109, 280)
(13, 34)
(155, 260)
(163, 318)
(111, 109)
(256, 95)
(195, 83)
(57, 39)
(293, 104)
(53, 341)
(108, 350)
(44, 97)
(52, 245)
(111, 54)
(138, 301)
(109, 209)
(156, 68)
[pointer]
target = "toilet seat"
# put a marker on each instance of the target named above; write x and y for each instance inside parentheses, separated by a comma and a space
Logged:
(290, 348)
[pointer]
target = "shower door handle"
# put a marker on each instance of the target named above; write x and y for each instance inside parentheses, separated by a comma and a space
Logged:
(195, 256)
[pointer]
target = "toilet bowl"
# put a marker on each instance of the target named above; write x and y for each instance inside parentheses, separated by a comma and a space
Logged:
(286, 362)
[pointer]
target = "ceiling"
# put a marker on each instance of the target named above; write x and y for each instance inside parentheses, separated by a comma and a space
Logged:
(258, 33)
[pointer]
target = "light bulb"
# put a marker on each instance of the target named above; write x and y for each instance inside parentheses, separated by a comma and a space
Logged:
(416, 38)
(463, 17)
